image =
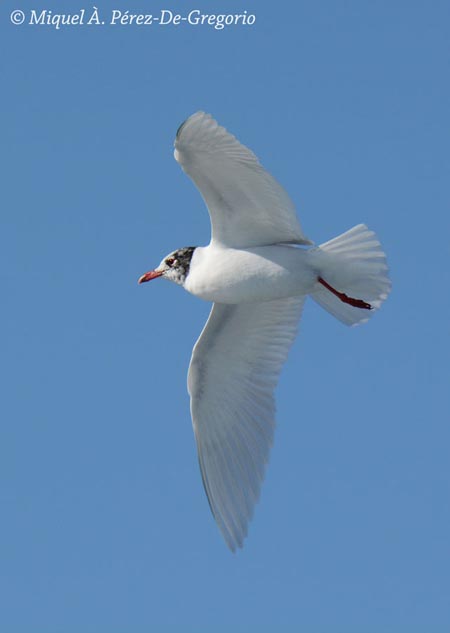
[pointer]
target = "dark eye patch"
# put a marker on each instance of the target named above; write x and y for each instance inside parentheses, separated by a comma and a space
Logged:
(170, 261)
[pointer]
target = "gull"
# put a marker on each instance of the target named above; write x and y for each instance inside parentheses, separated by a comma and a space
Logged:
(257, 270)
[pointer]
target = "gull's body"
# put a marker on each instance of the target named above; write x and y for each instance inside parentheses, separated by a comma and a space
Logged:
(267, 273)
(257, 273)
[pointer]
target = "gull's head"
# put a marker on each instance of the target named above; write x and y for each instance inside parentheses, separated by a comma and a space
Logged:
(174, 266)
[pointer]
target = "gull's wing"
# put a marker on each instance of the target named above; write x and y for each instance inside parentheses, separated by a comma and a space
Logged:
(232, 376)
(248, 207)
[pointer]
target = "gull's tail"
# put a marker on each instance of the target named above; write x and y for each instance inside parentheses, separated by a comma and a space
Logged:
(353, 277)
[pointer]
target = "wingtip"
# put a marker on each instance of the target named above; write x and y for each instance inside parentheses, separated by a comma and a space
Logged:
(198, 113)
(177, 135)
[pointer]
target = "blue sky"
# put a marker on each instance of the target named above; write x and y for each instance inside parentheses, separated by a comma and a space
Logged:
(104, 522)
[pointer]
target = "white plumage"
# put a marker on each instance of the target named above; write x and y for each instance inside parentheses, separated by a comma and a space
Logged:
(257, 275)
(232, 376)
(247, 205)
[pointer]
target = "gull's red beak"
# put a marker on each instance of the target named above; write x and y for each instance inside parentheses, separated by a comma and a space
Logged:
(152, 274)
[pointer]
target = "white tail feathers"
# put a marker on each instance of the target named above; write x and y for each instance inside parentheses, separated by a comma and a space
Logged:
(354, 265)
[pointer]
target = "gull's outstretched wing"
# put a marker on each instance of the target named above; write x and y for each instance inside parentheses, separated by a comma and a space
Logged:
(232, 376)
(248, 207)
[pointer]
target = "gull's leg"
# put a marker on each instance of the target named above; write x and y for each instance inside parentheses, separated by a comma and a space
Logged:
(357, 303)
